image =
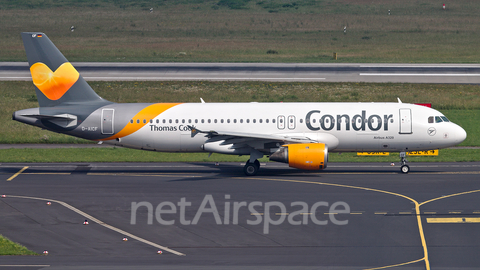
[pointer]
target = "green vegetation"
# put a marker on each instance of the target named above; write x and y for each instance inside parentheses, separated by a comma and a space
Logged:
(132, 155)
(8, 247)
(244, 31)
(460, 103)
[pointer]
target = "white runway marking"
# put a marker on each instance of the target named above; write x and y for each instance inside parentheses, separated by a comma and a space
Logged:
(91, 218)
(420, 74)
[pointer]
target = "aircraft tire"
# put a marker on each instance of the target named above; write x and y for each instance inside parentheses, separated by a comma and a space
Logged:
(251, 169)
(405, 169)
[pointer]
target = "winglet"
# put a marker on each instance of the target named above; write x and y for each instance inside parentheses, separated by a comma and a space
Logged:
(194, 131)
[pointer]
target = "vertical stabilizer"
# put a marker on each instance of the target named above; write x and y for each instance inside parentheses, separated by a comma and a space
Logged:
(57, 82)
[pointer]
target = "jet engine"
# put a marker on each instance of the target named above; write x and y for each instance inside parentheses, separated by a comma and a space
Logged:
(305, 156)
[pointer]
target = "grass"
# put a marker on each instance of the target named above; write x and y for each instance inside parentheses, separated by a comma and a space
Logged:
(244, 31)
(8, 247)
(460, 103)
(116, 154)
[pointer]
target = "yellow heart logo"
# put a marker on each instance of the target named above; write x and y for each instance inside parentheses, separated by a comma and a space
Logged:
(54, 84)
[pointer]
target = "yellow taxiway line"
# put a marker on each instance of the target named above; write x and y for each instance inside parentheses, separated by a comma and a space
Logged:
(17, 174)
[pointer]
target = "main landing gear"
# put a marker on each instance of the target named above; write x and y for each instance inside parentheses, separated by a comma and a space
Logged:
(251, 168)
(403, 159)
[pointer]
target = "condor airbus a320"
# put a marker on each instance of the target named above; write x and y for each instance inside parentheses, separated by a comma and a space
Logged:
(300, 134)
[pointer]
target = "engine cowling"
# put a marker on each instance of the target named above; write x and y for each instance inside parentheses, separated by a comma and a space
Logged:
(305, 156)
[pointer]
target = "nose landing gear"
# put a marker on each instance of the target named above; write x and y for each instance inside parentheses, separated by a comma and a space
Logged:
(403, 159)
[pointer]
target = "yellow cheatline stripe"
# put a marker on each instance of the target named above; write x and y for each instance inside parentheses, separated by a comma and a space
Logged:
(380, 213)
(87, 216)
(453, 220)
(147, 113)
(17, 174)
(417, 209)
(429, 213)
(282, 214)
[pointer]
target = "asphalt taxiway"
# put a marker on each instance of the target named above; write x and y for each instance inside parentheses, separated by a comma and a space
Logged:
(295, 72)
(349, 216)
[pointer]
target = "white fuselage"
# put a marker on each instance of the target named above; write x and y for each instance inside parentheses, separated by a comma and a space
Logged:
(342, 126)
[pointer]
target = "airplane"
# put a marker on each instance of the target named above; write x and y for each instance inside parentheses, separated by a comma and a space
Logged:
(300, 134)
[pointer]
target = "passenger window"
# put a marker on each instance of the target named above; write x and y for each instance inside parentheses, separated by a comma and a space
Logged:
(158, 121)
(189, 121)
(170, 121)
(430, 119)
(221, 121)
(241, 121)
(235, 121)
(254, 121)
(144, 121)
(228, 121)
(301, 121)
(138, 121)
(215, 121)
(196, 121)
(176, 121)
(183, 121)
(203, 121)
(209, 121)
(248, 121)
(266, 120)
(273, 120)
(260, 121)
(131, 121)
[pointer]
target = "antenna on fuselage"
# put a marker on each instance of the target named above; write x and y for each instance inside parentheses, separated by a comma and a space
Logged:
(399, 101)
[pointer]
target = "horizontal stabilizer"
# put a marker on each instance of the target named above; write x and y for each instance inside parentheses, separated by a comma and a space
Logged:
(63, 120)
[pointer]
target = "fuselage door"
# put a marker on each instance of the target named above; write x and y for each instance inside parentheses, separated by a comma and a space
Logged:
(291, 122)
(107, 121)
(281, 122)
(405, 121)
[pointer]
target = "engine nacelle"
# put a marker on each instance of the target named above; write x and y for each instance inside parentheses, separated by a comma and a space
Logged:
(305, 156)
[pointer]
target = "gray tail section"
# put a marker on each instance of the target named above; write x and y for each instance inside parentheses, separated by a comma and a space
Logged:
(57, 82)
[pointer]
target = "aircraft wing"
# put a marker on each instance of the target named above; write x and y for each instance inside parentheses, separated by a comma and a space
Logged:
(230, 137)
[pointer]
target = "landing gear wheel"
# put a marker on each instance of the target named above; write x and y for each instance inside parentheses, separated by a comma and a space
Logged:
(251, 169)
(405, 169)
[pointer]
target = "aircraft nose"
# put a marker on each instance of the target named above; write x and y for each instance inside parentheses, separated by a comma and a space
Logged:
(460, 134)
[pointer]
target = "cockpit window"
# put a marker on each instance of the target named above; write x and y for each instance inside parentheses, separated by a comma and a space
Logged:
(437, 119)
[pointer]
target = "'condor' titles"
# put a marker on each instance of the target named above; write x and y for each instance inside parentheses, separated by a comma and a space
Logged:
(358, 122)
